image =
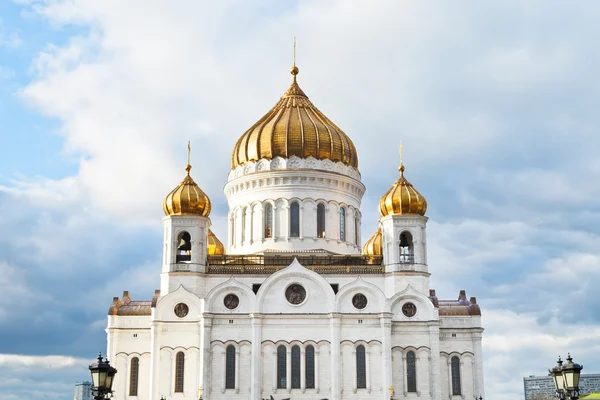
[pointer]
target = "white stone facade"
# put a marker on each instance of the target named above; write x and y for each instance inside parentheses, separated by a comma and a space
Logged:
(320, 345)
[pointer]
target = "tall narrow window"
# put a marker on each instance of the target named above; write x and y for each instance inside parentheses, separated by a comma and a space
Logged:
(310, 367)
(230, 367)
(455, 366)
(179, 370)
(281, 367)
(406, 248)
(361, 368)
(321, 221)
(243, 224)
(233, 229)
(356, 233)
(411, 372)
(295, 367)
(133, 376)
(343, 224)
(268, 220)
(294, 219)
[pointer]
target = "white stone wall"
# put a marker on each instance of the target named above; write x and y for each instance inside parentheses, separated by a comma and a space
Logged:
(326, 320)
(335, 187)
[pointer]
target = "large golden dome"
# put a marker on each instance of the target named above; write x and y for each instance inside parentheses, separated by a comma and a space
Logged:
(294, 127)
(373, 246)
(402, 199)
(215, 247)
(187, 198)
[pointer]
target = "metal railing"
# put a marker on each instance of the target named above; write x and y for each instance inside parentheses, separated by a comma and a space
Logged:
(268, 264)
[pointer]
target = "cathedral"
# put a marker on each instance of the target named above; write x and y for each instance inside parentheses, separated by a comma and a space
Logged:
(293, 306)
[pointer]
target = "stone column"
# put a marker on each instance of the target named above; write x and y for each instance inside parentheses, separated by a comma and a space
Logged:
(154, 360)
(435, 366)
(205, 353)
(288, 370)
(478, 373)
(335, 328)
(256, 364)
(385, 321)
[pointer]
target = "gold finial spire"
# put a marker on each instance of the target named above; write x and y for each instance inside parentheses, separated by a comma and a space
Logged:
(294, 71)
(401, 167)
(188, 167)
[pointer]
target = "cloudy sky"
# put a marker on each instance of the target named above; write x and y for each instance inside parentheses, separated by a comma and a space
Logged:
(496, 103)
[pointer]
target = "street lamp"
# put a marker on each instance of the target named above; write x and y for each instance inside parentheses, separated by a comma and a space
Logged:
(102, 378)
(566, 379)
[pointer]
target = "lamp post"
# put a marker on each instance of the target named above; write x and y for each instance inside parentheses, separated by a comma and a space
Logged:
(566, 379)
(102, 378)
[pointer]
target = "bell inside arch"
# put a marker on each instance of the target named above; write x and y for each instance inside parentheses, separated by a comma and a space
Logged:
(405, 240)
(185, 242)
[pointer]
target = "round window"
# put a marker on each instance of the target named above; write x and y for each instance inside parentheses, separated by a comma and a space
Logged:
(181, 310)
(295, 293)
(231, 301)
(409, 309)
(359, 301)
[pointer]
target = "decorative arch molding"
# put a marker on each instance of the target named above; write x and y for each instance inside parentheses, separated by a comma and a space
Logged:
(231, 285)
(356, 287)
(293, 163)
(355, 343)
(412, 348)
(234, 343)
(456, 353)
(164, 306)
(426, 310)
(179, 348)
(297, 271)
(304, 343)
(132, 354)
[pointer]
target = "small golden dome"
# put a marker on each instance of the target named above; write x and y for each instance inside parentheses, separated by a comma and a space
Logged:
(374, 246)
(215, 247)
(294, 127)
(187, 198)
(402, 199)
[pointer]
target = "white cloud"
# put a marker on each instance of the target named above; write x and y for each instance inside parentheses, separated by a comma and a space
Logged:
(495, 103)
(50, 362)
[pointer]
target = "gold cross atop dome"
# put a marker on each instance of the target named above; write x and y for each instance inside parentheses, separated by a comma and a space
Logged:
(294, 127)
(187, 198)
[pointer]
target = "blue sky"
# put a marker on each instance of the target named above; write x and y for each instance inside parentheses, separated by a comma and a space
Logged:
(495, 102)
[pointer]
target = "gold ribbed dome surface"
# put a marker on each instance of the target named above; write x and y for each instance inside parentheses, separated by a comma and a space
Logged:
(374, 246)
(294, 127)
(215, 247)
(402, 199)
(187, 199)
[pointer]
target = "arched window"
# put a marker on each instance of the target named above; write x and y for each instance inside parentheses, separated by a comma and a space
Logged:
(361, 368)
(184, 248)
(133, 376)
(343, 224)
(230, 367)
(268, 218)
(294, 219)
(455, 367)
(281, 367)
(356, 233)
(179, 370)
(321, 220)
(295, 367)
(406, 248)
(243, 224)
(232, 228)
(411, 372)
(310, 367)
